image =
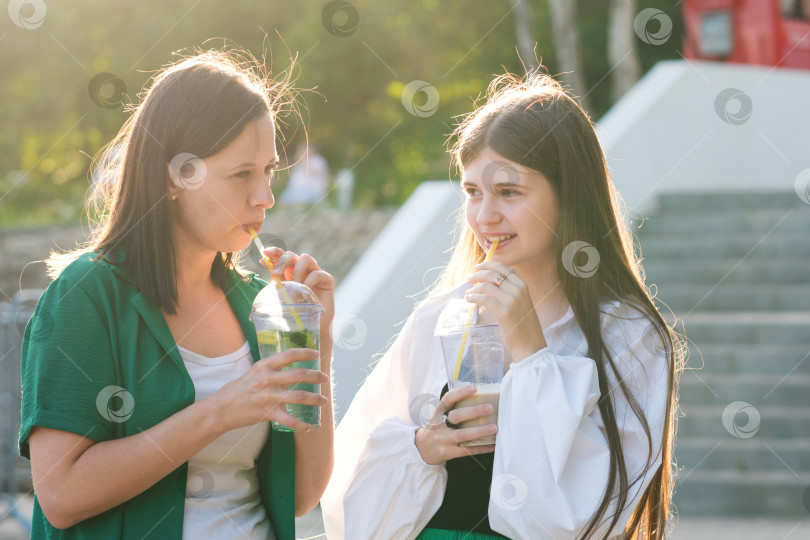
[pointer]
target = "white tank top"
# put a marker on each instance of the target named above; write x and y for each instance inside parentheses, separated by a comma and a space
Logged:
(222, 491)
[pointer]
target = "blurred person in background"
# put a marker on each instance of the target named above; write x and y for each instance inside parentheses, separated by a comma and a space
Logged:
(309, 177)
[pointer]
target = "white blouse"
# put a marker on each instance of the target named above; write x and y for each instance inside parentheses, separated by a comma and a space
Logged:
(551, 454)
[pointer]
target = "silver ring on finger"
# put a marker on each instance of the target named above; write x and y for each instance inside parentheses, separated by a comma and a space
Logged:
(509, 273)
(499, 280)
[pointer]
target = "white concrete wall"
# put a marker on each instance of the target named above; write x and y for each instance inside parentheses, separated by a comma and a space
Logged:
(666, 134)
(379, 293)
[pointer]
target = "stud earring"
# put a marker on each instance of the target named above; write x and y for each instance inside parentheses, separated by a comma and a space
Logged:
(173, 197)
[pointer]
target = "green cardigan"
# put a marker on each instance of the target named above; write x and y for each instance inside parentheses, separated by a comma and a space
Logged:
(93, 339)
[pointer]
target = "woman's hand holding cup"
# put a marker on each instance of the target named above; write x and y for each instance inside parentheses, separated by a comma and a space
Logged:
(260, 393)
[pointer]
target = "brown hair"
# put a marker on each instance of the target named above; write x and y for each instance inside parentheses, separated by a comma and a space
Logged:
(534, 122)
(196, 105)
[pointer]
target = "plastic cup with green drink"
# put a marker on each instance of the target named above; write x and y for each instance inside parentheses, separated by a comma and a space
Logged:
(282, 325)
(287, 315)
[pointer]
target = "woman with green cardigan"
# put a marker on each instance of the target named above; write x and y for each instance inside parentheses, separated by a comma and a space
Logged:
(146, 406)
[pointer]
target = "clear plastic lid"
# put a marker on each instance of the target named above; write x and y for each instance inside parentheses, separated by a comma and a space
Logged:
(456, 314)
(280, 296)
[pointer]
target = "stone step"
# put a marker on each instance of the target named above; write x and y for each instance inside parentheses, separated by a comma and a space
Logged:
(744, 455)
(705, 328)
(766, 359)
(727, 221)
(702, 245)
(735, 268)
(774, 422)
(731, 492)
(697, 202)
(711, 271)
(787, 390)
(735, 297)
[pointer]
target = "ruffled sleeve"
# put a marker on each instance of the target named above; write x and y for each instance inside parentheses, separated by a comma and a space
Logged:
(552, 457)
(381, 488)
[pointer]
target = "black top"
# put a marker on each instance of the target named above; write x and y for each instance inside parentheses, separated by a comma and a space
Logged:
(466, 500)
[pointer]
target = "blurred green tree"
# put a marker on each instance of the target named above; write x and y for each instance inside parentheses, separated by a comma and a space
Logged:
(358, 59)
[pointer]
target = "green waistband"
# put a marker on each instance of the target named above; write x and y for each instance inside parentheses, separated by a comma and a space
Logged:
(442, 534)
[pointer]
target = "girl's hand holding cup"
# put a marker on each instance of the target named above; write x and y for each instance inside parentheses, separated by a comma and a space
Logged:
(437, 442)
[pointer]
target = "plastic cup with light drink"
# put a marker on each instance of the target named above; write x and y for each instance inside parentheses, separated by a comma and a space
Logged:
(473, 354)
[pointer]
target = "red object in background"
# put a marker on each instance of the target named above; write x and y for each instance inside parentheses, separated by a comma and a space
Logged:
(763, 32)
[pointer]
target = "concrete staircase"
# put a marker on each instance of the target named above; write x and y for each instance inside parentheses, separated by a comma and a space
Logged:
(736, 268)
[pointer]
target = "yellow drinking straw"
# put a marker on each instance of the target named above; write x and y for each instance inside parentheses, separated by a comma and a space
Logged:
(490, 253)
(269, 262)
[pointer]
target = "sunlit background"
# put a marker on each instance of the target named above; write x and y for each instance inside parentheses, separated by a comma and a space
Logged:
(701, 107)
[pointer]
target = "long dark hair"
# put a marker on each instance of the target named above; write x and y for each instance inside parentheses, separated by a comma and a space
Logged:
(534, 122)
(197, 106)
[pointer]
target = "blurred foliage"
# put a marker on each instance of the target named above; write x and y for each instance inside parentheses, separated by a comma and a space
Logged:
(51, 127)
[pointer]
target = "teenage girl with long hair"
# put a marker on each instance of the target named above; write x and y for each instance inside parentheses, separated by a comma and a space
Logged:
(587, 405)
